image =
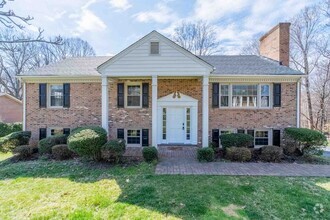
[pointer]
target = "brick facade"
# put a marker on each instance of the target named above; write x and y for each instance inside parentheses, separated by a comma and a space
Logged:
(86, 104)
(85, 109)
(11, 110)
(277, 117)
(275, 44)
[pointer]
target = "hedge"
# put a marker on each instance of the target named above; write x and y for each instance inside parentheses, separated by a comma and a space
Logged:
(45, 145)
(150, 154)
(308, 141)
(13, 140)
(87, 141)
(205, 154)
(8, 128)
(271, 153)
(61, 152)
(240, 154)
(236, 140)
(113, 150)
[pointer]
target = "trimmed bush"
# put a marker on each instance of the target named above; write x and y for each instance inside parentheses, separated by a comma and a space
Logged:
(205, 154)
(13, 140)
(240, 154)
(8, 128)
(150, 154)
(87, 141)
(45, 145)
(113, 150)
(61, 152)
(308, 141)
(236, 140)
(23, 152)
(271, 153)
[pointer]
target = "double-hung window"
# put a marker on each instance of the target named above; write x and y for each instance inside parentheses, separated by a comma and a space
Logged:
(133, 96)
(261, 137)
(224, 95)
(133, 136)
(265, 96)
(56, 95)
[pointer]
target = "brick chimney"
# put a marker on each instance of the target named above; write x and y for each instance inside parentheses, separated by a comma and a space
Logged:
(275, 44)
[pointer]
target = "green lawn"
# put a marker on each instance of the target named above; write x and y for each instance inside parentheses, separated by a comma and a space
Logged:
(81, 190)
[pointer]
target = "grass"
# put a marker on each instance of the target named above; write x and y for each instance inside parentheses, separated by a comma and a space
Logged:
(82, 190)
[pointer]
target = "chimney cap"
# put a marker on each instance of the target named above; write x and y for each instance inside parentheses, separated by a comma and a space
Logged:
(274, 28)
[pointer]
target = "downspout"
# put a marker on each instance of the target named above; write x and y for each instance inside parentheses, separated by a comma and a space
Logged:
(24, 106)
(298, 103)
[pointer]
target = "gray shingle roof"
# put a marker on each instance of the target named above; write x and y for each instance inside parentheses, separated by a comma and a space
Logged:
(224, 65)
(78, 66)
(247, 65)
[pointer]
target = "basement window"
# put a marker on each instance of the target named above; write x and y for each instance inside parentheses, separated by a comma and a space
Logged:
(154, 48)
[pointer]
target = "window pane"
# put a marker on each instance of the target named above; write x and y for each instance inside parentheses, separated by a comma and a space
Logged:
(164, 123)
(56, 95)
(264, 95)
(261, 141)
(133, 90)
(56, 131)
(244, 95)
(133, 100)
(224, 90)
(262, 134)
(224, 101)
(133, 137)
(188, 124)
(241, 131)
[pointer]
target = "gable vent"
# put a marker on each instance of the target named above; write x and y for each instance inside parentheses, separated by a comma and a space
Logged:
(154, 47)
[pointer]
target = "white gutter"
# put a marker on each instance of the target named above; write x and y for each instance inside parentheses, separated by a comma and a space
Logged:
(298, 104)
(24, 106)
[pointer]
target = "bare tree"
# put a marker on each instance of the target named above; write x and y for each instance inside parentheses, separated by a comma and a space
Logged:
(251, 48)
(10, 20)
(199, 38)
(305, 30)
(24, 56)
(321, 90)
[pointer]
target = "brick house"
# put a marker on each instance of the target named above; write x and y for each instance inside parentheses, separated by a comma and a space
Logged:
(155, 92)
(11, 109)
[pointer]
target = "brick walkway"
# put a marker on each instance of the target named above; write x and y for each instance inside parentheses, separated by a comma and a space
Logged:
(182, 160)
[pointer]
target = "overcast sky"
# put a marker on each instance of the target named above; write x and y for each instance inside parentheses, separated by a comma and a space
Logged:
(111, 25)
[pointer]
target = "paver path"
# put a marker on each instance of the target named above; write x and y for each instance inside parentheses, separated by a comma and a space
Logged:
(183, 161)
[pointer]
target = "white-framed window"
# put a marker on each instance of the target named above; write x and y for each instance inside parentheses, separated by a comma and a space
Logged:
(188, 121)
(55, 131)
(55, 96)
(133, 95)
(154, 48)
(261, 137)
(133, 137)
(238, 95)
(226, 131)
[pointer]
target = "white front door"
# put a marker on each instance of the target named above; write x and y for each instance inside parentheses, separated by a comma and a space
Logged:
(175, 125)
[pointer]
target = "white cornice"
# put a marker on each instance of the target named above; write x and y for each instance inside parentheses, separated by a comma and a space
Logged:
(259, 78)
(60, 79)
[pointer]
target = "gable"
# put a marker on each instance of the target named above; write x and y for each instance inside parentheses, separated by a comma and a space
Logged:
(173, 60)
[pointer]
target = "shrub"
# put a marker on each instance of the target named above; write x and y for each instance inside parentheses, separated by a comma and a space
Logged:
(7, 128)
(150, 154)
(236, 140)
(240, 154)
(13, 140)
(61, 152)
(271, 153)
(308, 141)
(87, 141)
(205, 154)
(113, 150)
(23, 152)
(45, 145)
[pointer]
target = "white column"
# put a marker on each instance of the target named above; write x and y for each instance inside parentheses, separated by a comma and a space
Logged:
(105, 104)
(154, 111)
(24, 106)
(298, 104)
(205, 115)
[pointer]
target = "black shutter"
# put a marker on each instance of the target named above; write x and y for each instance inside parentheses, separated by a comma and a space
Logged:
(66, 131)
(277, 94)
(215, 137)
(42, 95)
(42, 133)
(145, 95)
(145, 137)
(215, 95)
(120, 133)
(66, 95)
(251, 132)
(120, 95)
(277, 138)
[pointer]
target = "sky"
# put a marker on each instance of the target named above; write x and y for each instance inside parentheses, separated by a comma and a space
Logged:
(112, 25)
